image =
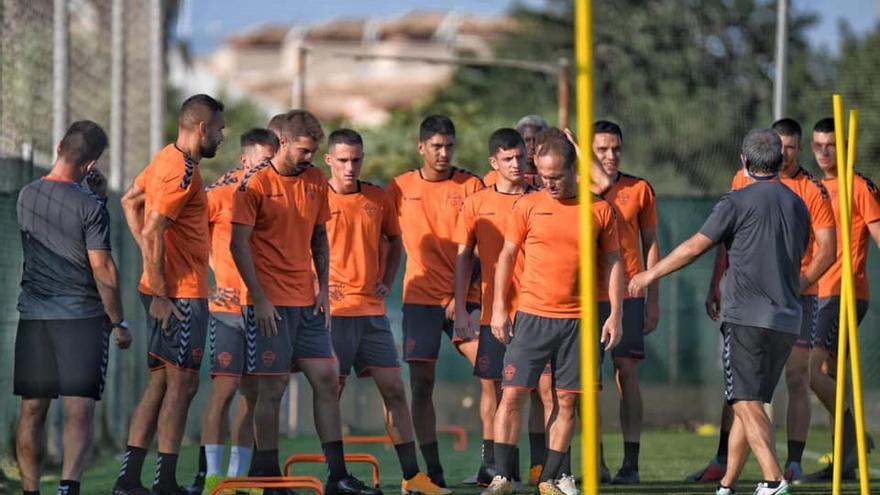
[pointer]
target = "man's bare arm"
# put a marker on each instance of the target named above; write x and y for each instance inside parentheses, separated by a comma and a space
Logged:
(133, 208)
(240, 247)
(464, 263)
(650, 256)
(392, 260)
(681, 256)
(321, 255)
(153, 248)
(823, 257)
(107, 281)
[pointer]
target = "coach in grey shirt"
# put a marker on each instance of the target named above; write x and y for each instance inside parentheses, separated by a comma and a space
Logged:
(69, 304)
(766, 230)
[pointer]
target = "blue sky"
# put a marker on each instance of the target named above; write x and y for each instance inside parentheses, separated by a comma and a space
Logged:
(211, 21)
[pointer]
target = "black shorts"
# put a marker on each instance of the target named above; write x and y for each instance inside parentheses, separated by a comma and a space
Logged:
(490, 355)
(301, 336)
(182, 344)
(537, 339)
(632, 343)
(422, 326)
(753, 360)
(809, 318)
(226, 339)
(828, 321)
(363, 342)
(61, 357)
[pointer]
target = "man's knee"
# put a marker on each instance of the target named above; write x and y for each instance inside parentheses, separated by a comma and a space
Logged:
(627, 370)
(182, 383)
(797, 376)
(79, 410)
(513, 398)
(391, 388)
(422, 380)
(271, 388)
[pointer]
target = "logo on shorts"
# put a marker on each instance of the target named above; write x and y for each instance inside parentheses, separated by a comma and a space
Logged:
(197, 355)
(509, 372)
(410, 345)
(268, 358)
(483, 363)
(224, 359)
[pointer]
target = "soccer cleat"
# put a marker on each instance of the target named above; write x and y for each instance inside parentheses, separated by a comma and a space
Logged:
(135, 490)
(626, 476)
(485, 476)
(421, 484)
(604, 474)
(724, 490)
(568, 485)
(438, 479)
(549, 488)
(181, 490)
(793, 473)
(210, 482)
(535, 474)
(349, 486)
(764, 489)
(713, 471)
(827, 473)
(499, 486)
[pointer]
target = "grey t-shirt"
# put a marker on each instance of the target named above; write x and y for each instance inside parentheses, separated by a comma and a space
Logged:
(766, 229)
(60, 222)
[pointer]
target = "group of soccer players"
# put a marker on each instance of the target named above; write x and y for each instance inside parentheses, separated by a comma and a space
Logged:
(302, 265)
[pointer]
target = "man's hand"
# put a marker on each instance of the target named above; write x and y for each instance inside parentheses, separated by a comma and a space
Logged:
(450, 310)
(652, 316)
(803, 283)
(713, 302)
(97, 183)
(501, 328)
(462, 321)
(612, 332)
(640, 282)
(322, 304)
(267, 317)
(123, 337)
(381, 290)
(222, 295)
(161, 308)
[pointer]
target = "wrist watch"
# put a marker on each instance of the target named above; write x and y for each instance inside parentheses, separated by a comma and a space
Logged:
(122, 324)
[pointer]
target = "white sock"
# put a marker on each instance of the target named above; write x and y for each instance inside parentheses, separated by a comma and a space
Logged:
(239, 461)
(214, 458)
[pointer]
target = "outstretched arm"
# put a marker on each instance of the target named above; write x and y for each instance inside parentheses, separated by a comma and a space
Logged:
(681, 256)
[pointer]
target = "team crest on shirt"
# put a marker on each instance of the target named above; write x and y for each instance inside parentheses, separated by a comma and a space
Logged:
(335, 292)
(224, 359)
(454, 199)
(410, 345)
(623, 197)
(268, 358)
(483, 363)
(509, 372)
(371, 209)
(197, 355)
(312, 191)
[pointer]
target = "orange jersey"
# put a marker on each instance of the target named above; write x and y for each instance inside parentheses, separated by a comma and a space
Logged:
(283, 210)
(815, 196)
(226, 279)
(865, 211)
(482, 224)
(355, 229)
(173, 188)
(491, 178)
(427, 212)
(545, 229)
(633, 200)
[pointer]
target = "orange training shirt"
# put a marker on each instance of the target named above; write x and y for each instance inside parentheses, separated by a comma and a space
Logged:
(633, 199)
(226, 278)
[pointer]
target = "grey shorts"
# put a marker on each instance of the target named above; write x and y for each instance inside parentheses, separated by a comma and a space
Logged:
(632, 343)
(301, 336)
(423, 324)
(363, 342)
(227, 341)
(828, 321)
(753, 360)
(490, 356)
(182, 344)
(809, 319)
(536, 340)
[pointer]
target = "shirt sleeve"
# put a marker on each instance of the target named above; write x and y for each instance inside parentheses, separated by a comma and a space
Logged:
(96, 227)
(464, 227)
(866, 197)
(323, 205)
(819, 207)
(739, 181)
(393, 194)
(518, 224)
(648, 213)
(390, 222)
(719, 226)
(171, 193)
(606, 220)
(214, 205)
(246, 203)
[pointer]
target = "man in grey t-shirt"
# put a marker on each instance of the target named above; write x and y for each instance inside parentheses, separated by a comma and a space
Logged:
(766, 229)
(68, 305)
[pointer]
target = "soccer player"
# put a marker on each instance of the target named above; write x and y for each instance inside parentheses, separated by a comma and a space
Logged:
(226, 331)
(765, 228)
(167, 211)
(528, 127)
(480, 227)
(546, 326)
(633, 199)
(426, 201)
(69, 301)
(865, 225)
(819, 256)
(278, 205)
(360, 280)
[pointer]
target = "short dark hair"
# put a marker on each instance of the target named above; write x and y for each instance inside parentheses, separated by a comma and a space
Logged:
(788, 127)
(258, 135)
(345, 136)
(607, 127)
(763, 151)
(554, 141)
(505, 139)
(825, 125)
(301, 123)
(83, 142)
(275, 123)
(198, 108)
(436, 124)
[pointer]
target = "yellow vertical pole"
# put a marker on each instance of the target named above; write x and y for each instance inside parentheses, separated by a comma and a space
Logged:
(852, 320)
(844, 226)
(589, 339)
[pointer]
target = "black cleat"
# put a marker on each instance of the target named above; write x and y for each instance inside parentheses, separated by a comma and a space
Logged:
(626, 476)
(484, 476)
(134, 490)
(349, 486)
(196, 488)
(827, 473)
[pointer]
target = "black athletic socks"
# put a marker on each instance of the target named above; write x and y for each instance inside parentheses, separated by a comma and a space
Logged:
(565, 468)
(203, 464)
(631, 455)
(721, 454)
(68, 487)
(537, 448)
(431, 453)
(132, 465)
(166, 474)
(335, 456)
(265, 463)
(504, 454)
(487, 453)
(553, 468)
(795, 451)
(772, 484)
(409, 463)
